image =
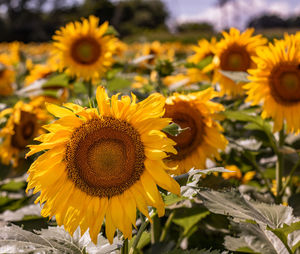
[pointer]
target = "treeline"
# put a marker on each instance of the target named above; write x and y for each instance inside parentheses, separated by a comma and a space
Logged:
(37, 20)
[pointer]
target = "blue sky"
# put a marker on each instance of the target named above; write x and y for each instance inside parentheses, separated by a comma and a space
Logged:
(235, 13)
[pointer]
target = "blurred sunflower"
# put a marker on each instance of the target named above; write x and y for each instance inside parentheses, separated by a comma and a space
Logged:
(276, 83)
(21, 127)
(204, 49)
(84, 50)
(203, 137)
(233, 53)
(158, 51)
(103, 164)
(7, 76)
(237, 174)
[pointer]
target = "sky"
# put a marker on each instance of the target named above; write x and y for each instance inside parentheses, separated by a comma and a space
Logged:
(235, 13)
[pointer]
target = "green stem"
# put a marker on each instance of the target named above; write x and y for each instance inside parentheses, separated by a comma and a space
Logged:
(139, 235)
(289, 178)
(260, 171)
(124, 249)
(155, 229)
(166, 227)
(279, 168)
(90, 90)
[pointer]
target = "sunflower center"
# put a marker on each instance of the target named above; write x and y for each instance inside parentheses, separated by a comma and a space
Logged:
(105, 156)
(285, 84)
(86, 50)
(235, 58)
(186, 117)
(25, 131)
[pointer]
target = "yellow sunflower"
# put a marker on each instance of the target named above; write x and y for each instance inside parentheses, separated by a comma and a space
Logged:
(233, 53)
(204, 49)
(203, 137)
(84, 50)
(21, 127)
(276, 83)
(103, 163)
(158, 50)
(7, 76)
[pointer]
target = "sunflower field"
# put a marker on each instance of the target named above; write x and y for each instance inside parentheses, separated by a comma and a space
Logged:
(108, 147)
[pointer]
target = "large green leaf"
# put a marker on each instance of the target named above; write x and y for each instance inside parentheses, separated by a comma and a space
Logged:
(188, 218)
(14, 239)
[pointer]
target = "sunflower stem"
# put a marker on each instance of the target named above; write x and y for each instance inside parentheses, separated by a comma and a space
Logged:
(124, 249)
(289, 178)
(138, 236)
(90, 90)
(166, 227)
(155, 229)
(279, 168)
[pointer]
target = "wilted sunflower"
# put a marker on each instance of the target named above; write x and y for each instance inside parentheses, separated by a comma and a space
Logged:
(21, 127)
(233, 53)
(276, 83)
(83, 49)
(7, 76)
(103, 163)
(202, 139)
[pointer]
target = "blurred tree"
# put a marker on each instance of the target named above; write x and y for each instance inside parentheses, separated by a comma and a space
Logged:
(37, 20)
(134, 15)
(197, 27)
(267, 21)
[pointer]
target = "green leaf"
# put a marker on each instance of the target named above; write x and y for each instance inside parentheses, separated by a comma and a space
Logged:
(251, 239)
(60, 80)
(202, 64)
(236, 76)
(188, 218)
(283, 232)
(174, 129)
(172, 199)
(253, 122)
(14, 239)
(80, 87)
(13, 186)
(117, 84)
(111, 31)
(232, 203)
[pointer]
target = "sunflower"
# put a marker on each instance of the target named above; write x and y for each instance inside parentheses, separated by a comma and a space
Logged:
(233, 53)
(103, 163)
(7, 76)
(204, 49)
(276, 83)
(158, 51)
(21, 127)
(202, 139)
(84, 50)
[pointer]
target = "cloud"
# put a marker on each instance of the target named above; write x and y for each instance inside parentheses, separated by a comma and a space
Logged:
(237, 13)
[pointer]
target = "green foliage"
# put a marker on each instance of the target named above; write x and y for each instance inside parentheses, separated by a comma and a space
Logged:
(255, 222)
(14, 239)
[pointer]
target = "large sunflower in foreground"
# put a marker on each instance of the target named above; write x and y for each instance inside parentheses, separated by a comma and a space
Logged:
(276, 83)
(83, 50)
(202, 139)
(233, 53)
(103, 164)
(22, 126)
